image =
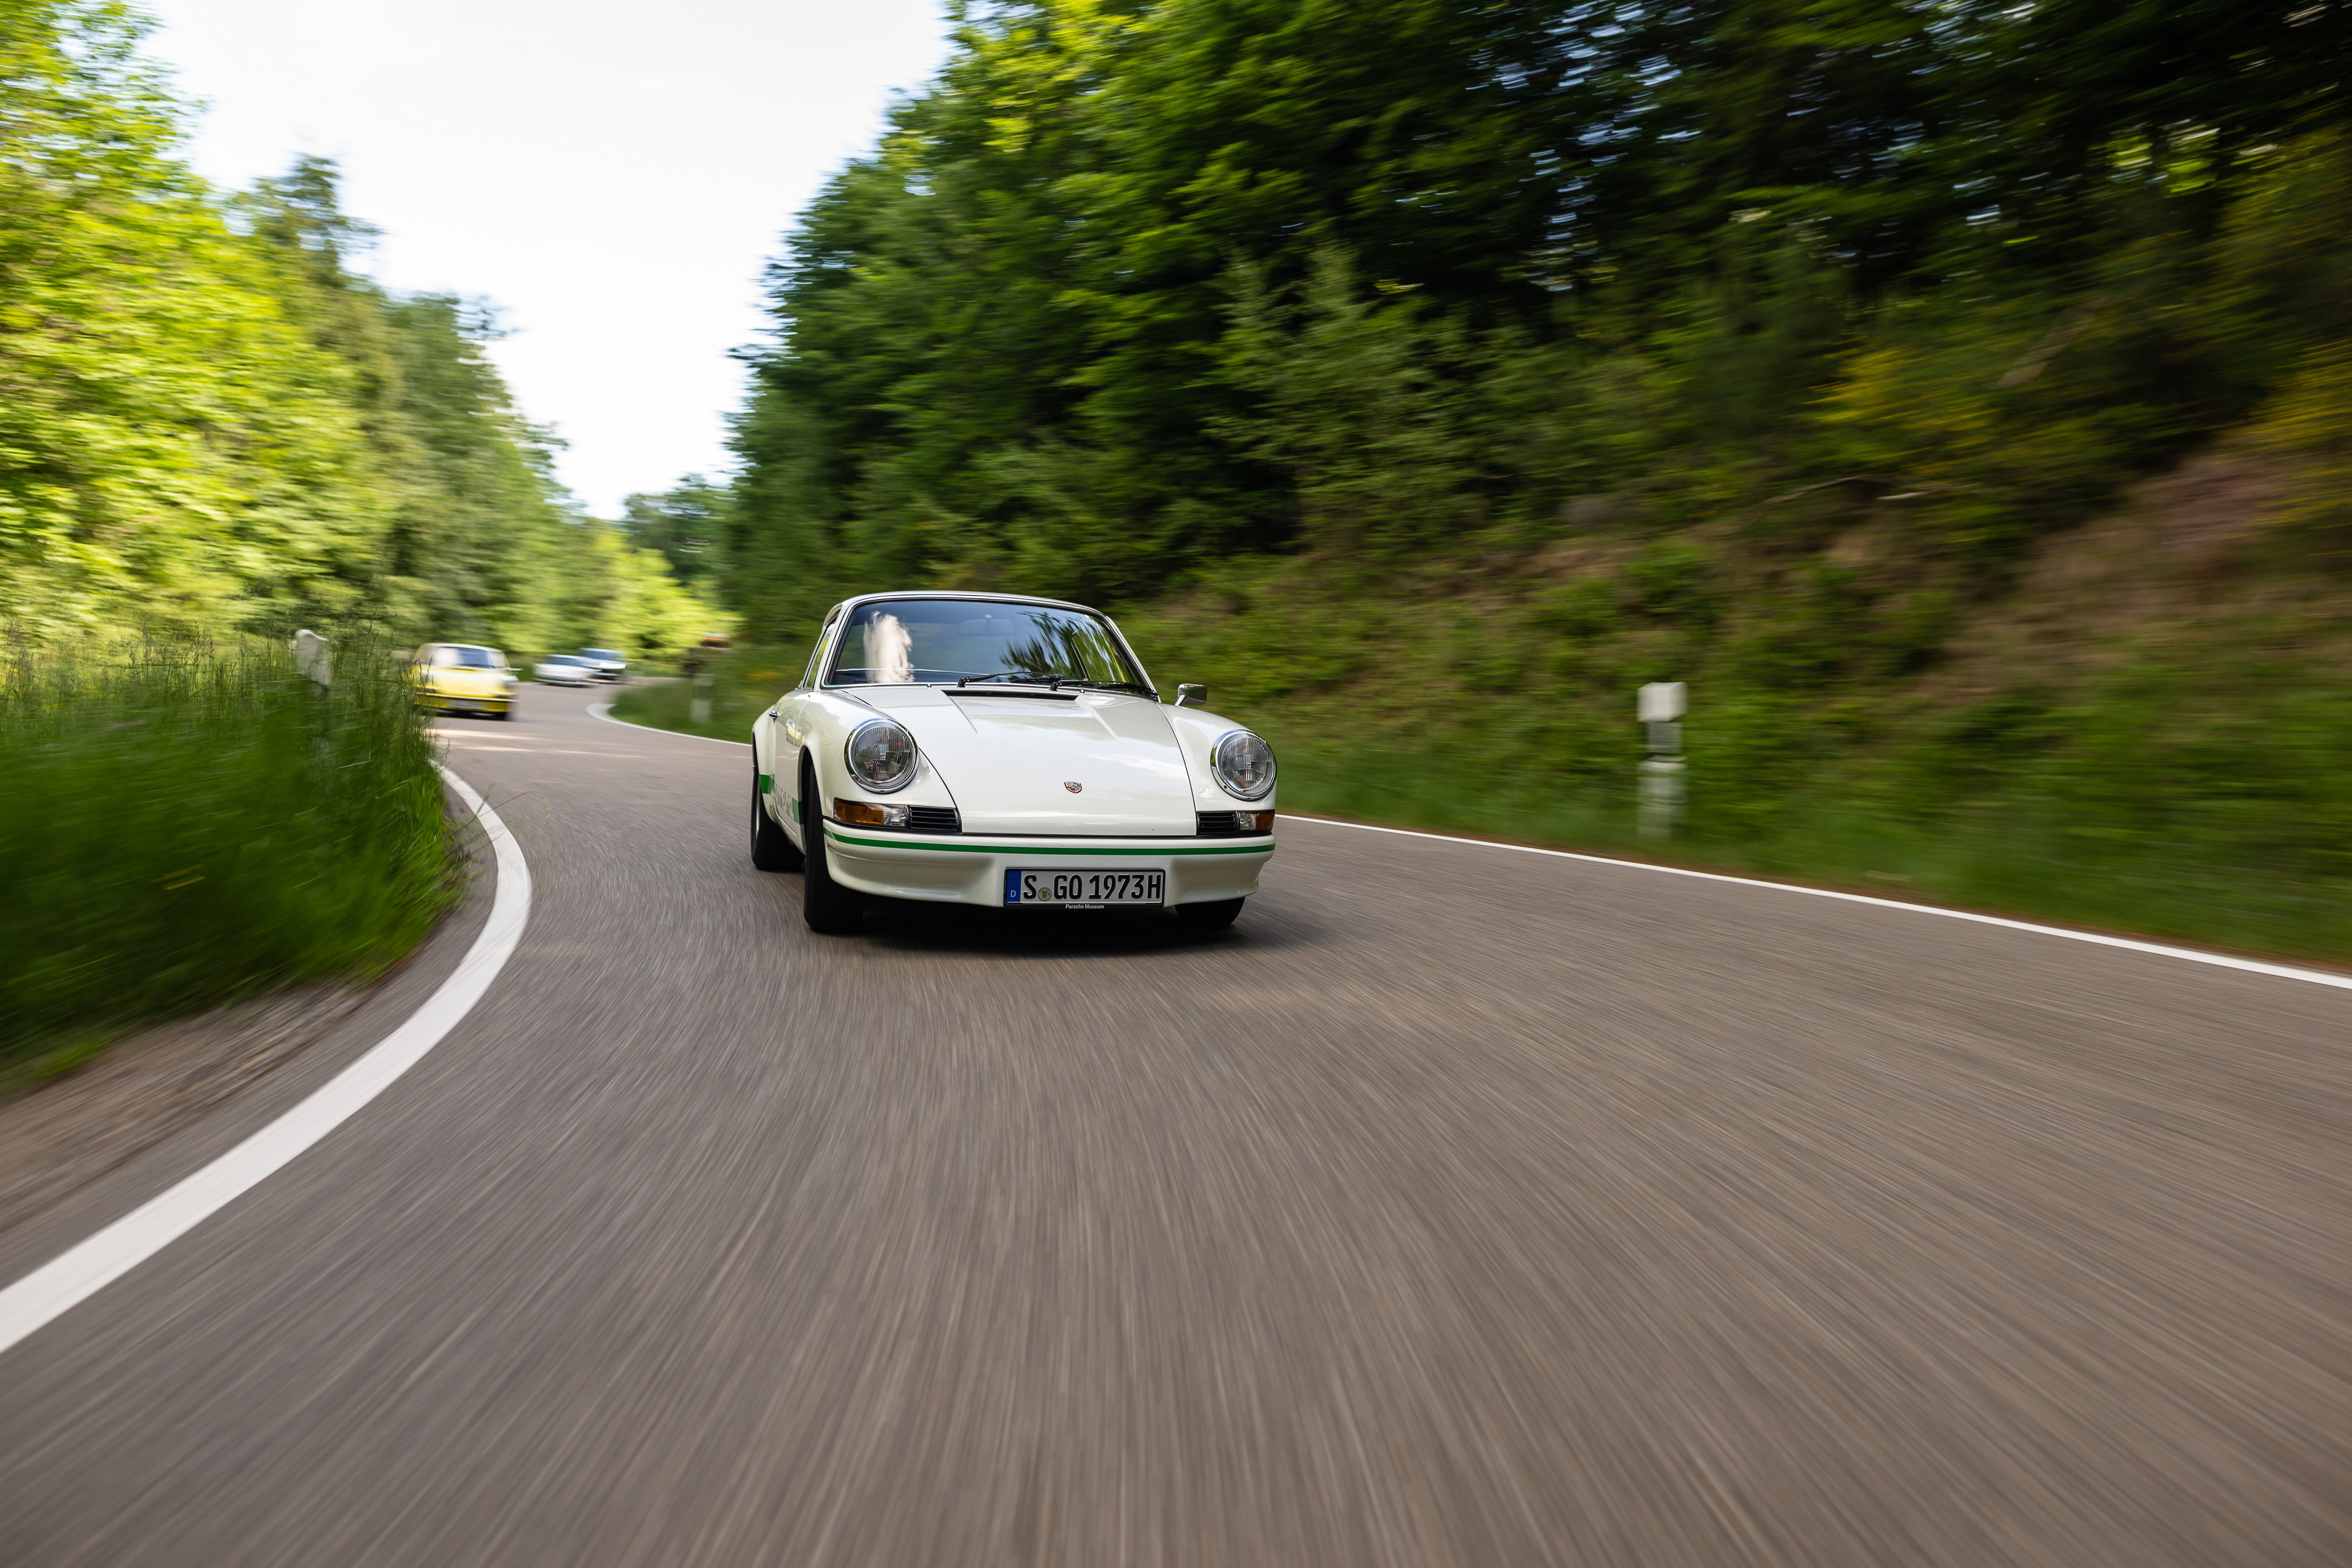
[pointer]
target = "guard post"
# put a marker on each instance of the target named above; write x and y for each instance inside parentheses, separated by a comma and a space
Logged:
(311, 657)
(1661, 708)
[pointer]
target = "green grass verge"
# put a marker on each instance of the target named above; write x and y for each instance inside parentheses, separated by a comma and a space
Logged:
(2023, 856)
(188, 824)
(2127, 811)
(744, 681)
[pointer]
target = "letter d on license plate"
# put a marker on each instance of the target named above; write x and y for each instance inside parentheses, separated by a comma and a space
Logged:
(1085, 890)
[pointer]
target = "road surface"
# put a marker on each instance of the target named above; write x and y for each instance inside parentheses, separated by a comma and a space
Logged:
(1460, 1207)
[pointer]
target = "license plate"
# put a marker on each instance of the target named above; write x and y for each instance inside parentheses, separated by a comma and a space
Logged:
(1085, 890)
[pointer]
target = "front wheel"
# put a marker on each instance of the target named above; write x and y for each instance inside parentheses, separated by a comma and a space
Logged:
(772, 848)
(1214, 916)
(825, 904)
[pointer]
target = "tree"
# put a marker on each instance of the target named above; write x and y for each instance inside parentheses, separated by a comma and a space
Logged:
(685, 525)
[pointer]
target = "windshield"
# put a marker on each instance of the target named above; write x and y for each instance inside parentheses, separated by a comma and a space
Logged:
(600, 653)
(566, 658)
(937, 642)
(460, 657)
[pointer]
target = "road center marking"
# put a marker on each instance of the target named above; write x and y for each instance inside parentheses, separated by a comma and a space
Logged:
(83, 1271)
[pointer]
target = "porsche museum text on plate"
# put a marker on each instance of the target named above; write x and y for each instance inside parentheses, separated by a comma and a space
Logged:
(999, 750)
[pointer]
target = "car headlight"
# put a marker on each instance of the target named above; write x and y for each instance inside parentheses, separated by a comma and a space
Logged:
(1243, 766)
(881, 756)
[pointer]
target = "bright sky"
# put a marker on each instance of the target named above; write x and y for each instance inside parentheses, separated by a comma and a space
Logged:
(613, 174)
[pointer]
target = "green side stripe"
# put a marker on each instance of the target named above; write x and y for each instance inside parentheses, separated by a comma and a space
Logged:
(838, 836)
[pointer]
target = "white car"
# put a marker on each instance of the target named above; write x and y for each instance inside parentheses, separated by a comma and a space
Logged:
(988, 749)
(604, 664)
(563, 669)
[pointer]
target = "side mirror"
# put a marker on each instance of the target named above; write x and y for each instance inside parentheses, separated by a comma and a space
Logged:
(1191, 696)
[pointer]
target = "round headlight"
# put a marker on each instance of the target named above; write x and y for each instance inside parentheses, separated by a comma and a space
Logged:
(1243, 766)
(881, 756)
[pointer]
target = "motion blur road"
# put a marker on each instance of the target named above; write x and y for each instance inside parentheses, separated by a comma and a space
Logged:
(1459, 1206)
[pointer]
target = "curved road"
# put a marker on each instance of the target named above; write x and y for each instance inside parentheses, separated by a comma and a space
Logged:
(1459, 1206)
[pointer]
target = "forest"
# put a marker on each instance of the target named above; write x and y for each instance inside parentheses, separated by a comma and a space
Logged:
(1958, 397)
(213, 424)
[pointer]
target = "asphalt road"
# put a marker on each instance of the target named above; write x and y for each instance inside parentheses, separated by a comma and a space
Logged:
(1459, 1206)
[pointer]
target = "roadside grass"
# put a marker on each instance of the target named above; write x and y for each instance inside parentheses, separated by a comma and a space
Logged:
(744, 680)
(188, 824)
(2023, 856)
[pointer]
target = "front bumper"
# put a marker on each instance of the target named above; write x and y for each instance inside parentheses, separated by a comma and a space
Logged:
(969, 869)
(440, 704)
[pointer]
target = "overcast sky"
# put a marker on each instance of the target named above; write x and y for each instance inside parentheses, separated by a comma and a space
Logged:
(614, 175)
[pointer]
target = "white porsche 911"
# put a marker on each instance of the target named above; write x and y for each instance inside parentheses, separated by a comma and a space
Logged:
(989, 749)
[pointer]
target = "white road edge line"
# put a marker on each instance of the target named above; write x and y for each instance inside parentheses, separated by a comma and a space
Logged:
(2219, 960)
(89, 1268)
(604, 711)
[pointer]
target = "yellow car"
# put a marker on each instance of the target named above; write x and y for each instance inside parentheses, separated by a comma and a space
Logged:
(460, 678)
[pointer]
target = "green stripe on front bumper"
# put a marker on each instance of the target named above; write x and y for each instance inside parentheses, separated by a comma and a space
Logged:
(840, 837)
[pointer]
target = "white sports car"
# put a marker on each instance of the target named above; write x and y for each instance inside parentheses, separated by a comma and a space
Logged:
(563, 669)
(987, 749)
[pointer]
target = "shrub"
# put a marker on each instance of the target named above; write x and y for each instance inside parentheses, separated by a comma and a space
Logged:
(189, 823)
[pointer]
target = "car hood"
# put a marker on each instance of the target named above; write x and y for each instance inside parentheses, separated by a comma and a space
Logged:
(1008, 760)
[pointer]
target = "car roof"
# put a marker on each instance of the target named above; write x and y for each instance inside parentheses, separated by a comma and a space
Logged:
(848, 604)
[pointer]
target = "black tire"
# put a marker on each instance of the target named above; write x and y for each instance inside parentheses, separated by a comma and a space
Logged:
(1209, 917)
(772, 849)
(825, 904)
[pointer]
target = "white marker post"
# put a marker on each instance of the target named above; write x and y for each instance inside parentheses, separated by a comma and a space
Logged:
(1661, 708)
(311, 657)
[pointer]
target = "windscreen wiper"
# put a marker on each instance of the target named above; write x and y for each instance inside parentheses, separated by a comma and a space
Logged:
(1051, 682)
(1137, 687)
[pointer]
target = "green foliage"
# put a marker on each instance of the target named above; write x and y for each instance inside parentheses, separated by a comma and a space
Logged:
(1361, 403)
(209, 423)
(170, 447)
(482, 543)
(189, 823)
(686, 526)
(1139, 287)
